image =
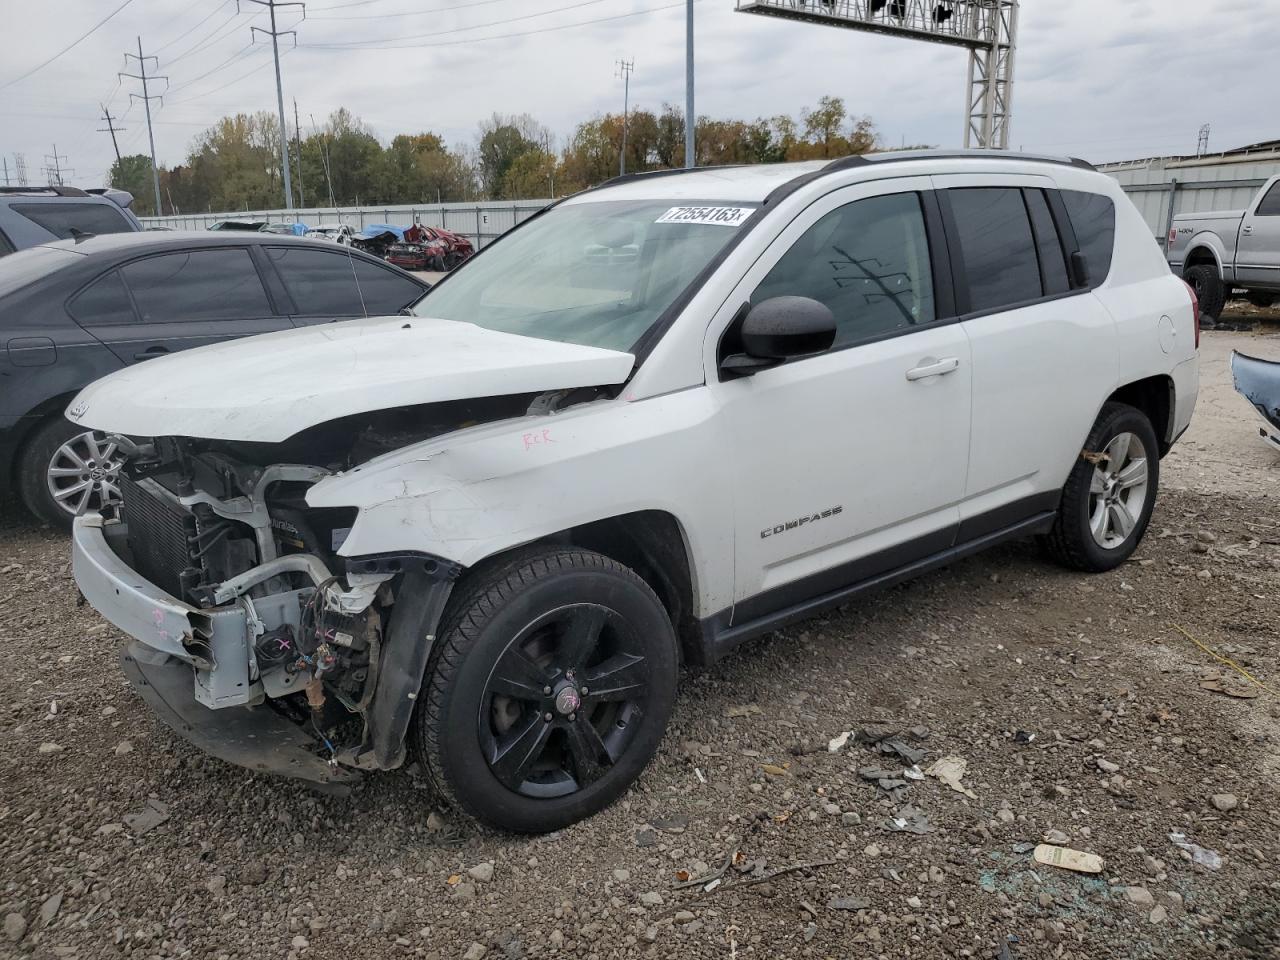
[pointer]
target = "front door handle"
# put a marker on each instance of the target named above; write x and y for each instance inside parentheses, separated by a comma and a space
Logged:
(934, 368)
(1248, 231)
(151, 353)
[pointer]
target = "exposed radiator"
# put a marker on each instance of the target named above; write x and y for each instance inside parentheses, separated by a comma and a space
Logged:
(160, 531)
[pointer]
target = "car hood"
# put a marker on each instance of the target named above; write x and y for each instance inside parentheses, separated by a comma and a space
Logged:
(269, 387)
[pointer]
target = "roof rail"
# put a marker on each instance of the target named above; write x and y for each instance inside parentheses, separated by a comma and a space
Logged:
(897, 156)
(51, 191)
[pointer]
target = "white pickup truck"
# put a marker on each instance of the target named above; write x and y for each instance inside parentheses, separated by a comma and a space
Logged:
(1239, 249)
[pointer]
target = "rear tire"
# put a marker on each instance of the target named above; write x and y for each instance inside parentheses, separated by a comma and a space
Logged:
(549, 689)
(1210, 290)
(87, 468)
(1106, 505)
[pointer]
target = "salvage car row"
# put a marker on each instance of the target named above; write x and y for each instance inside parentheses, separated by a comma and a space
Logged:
(417, 247)
(662, 417)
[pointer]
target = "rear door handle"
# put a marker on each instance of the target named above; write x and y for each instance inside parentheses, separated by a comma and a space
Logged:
(934, 368)
(151, 353)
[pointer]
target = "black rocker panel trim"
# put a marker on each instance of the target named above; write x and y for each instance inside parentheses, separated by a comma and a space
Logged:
(783, 605)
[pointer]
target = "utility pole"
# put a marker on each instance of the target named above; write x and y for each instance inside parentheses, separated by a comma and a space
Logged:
(146, 99)
(297, 132)
(53, 168)
(1202, 143)
(625, 68)
(6, 171)
(275, 34)
(111, 129)
(690, 117)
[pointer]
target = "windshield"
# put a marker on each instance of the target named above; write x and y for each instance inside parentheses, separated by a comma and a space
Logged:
(595, 274)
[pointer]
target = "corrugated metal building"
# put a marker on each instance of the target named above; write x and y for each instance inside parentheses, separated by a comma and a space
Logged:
(1164, 186)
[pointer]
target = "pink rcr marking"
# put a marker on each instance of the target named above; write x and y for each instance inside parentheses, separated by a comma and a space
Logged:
(532, 440)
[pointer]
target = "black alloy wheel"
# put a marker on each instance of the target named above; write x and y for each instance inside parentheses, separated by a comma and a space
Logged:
(548, 690)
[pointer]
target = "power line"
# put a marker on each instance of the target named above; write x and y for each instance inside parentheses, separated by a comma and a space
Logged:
(68, 48)
(358, 44)
(240, 54)
(209, 39)
(410, 13)
(228, 84)
(508, 36)
(53, 168)
(190, 30)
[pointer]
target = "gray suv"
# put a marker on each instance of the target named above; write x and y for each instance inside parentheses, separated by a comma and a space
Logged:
(30, 216)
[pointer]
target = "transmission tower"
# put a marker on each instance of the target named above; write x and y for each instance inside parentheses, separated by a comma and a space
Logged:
(20, 169)
(54, 168)
(988, 29)
(112, 129)
(1202, 144)
(275, 34)
(625, 69)
(146, 99)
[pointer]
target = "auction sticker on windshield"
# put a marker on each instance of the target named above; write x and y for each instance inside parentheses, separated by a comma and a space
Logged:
(715, 216)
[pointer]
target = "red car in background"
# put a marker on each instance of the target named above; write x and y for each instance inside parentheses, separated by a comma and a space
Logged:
(429, 248)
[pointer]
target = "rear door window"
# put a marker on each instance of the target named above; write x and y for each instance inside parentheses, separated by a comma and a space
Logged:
(104, 302)
(220, 284)
(1093, 218)
(1270, 205)
(998, 250)
(321, 284)
(61, 218)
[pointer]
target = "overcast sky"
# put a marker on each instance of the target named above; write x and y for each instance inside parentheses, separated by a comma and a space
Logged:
(1100, 79)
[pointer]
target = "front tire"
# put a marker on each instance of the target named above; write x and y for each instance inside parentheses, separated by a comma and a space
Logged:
(1210, 290)
(64, 471)
(1108, 498)
(549, 690)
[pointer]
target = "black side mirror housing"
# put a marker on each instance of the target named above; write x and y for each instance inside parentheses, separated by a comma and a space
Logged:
(780, 329)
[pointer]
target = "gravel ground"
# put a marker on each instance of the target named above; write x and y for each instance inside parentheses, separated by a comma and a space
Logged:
(1084, 715)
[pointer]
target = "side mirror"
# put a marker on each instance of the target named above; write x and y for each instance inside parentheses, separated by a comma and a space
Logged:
(780, 329)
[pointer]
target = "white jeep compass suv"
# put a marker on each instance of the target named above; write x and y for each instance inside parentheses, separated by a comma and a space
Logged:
(659, 418)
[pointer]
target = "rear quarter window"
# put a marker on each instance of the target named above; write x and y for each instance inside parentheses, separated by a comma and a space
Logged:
(1093, 218)
(61, 218)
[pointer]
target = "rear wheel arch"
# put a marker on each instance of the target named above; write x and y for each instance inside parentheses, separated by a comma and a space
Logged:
(1156, 397)
(1201, 255)
(33, 421)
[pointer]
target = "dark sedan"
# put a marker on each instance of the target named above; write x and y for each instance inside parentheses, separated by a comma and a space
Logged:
(74, 311)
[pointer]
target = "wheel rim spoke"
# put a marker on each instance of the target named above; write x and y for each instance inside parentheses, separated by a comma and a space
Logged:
(518, 676)
(512, 759)
(1132, 475)
(621, 677)
(1098, 522)
(67, 451)
(590, 756)
(1117, 453)
(1122, 520)
(581, 636)
(1098, 482)
(66, 493)
(65, 472)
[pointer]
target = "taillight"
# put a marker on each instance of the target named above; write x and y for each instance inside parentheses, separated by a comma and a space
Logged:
(1173, 236)
(1195, 311)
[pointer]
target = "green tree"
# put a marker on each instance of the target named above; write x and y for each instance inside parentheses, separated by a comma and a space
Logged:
(502, 141)
(133, 173)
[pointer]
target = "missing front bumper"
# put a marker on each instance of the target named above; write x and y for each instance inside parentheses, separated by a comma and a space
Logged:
(253, 737)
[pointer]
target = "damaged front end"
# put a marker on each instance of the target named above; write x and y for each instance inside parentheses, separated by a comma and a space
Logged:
(252, 637)
(1258, 381)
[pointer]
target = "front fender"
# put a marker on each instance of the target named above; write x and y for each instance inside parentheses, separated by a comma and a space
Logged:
(471, 495)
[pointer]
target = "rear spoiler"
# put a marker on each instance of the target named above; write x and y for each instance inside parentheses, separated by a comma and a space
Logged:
(122, 198)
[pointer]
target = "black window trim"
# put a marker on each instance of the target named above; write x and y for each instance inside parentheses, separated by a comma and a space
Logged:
(1056, 240)
(941, 274)
(963, 297)
(75, 295)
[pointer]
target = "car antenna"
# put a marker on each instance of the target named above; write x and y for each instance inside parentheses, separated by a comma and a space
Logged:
(79, 236)
(356, 277)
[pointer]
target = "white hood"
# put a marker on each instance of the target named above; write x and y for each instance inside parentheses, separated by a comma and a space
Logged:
(267, 388)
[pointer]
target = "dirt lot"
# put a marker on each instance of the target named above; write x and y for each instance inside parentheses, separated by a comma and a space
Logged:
(1078, 705)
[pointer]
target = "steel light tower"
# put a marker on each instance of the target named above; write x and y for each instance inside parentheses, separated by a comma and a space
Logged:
(988, 29)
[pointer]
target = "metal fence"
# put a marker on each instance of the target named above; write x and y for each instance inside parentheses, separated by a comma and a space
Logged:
(480, 223)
